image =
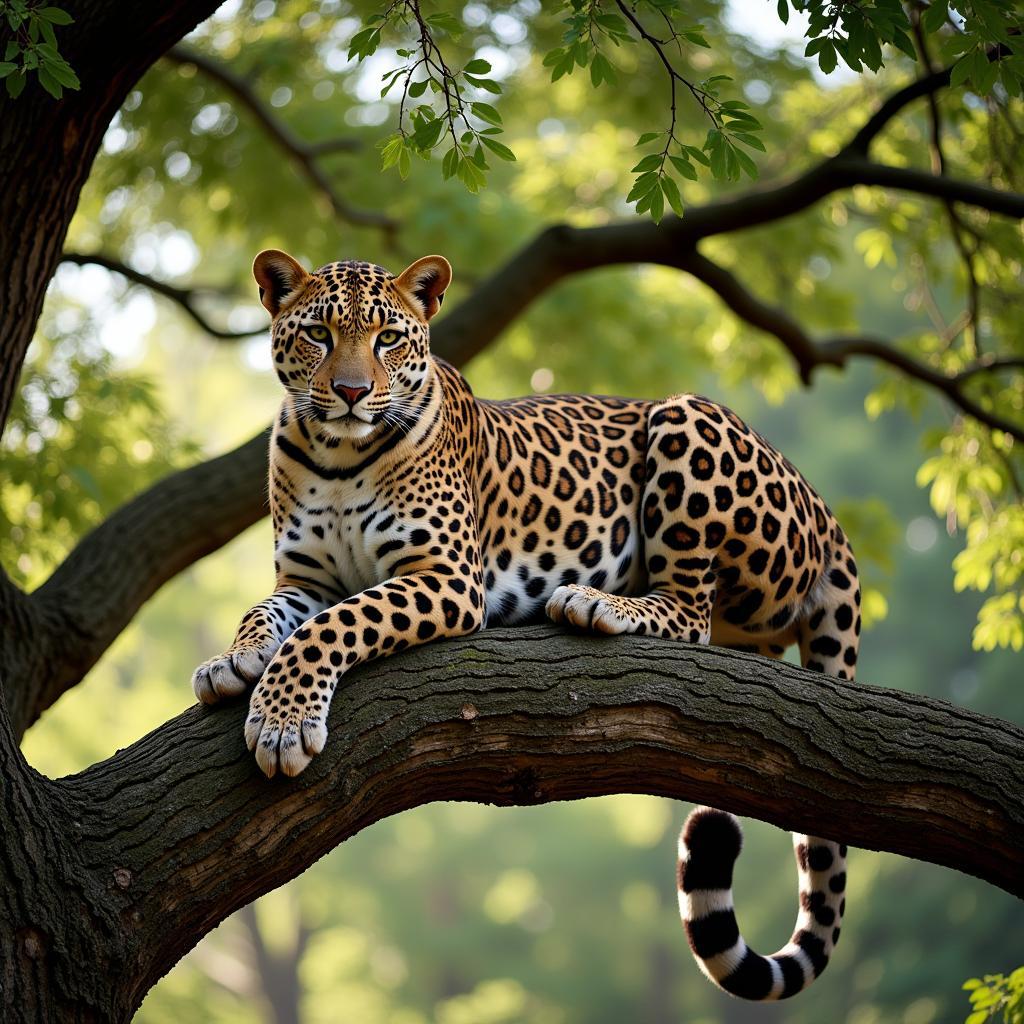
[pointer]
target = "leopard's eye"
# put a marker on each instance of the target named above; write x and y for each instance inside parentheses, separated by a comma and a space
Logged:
(389, 337)
(318, 333)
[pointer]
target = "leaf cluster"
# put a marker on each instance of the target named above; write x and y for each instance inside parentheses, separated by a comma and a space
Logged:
(82, 438)
(996, 996)
(33, 47)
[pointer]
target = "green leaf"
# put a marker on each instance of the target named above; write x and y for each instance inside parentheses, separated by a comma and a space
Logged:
(50, 84)
(450, 164)
(961, 71)
(601, 70)
(364, 43)
(642, 186)
(418, 88)
(471, 176)
(614, 24)
(486, 112)
(827, 60)
(983, 72)
(684, 167)
(783, 9)
(404, 162)
(649, 163)
(484, 83)
(749, 140)
(477, 67)
(426, 135)
(446, 22)
(390, 150)
(902, 41)
(746, 164)
(15, 85)
(54, 15)
(6, 68)
(935, 17)
(671, 190)
(647, 137)
(657, 205)
(498, 148)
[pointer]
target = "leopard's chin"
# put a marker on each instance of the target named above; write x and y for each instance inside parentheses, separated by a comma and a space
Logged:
(349, 428)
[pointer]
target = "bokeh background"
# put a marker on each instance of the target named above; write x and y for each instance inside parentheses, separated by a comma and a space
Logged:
(463, 914)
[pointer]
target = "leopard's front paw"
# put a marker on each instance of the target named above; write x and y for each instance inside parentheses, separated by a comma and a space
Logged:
(283, 733)
(229, 675)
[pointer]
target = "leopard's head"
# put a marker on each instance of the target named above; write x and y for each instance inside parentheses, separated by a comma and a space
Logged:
(351, 342)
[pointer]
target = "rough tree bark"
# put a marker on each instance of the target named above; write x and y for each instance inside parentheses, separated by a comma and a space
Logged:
(47, 148)
(127, 865)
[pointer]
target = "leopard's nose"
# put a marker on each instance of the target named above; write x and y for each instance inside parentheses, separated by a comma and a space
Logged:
(350, 392)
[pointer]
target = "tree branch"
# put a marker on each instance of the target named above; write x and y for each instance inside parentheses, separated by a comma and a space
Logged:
(303, 155)
(894, 104)
(906, 179)
(836, 351)
(63, 628)
(523, 717)
(184, 297)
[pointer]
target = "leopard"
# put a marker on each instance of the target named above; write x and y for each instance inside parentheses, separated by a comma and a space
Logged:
(406, 510)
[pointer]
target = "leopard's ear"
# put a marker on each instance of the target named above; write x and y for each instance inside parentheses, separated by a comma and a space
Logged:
(424, 282)
(281, 279)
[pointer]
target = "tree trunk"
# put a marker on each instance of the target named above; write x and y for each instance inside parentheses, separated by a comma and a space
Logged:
(47, 147)
(119, 871)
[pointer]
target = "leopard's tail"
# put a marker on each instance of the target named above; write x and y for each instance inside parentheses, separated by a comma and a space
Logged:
(708, 847)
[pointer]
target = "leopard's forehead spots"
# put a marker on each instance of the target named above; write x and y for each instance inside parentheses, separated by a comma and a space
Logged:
(354, 297)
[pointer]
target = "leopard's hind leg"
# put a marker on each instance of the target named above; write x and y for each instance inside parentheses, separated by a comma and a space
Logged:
(680, 537)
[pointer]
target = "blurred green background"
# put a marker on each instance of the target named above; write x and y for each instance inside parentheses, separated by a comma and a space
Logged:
(553, 915)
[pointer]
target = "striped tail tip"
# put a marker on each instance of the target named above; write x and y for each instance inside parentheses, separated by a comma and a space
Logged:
(709, 844)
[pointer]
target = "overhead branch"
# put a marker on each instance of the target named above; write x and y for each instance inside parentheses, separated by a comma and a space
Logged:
(184, 297)
(525, 717)
(63, 628)
(989, 364)
(894, 104)
(809, 354)
(907, 179)
(305, 156)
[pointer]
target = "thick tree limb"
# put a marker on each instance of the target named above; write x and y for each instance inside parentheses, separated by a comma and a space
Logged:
(179, 830)
(303, 155)
(52, 637)
(184, 297)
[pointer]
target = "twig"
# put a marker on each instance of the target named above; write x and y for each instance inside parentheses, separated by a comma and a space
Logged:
(184, 297)
(304, 155)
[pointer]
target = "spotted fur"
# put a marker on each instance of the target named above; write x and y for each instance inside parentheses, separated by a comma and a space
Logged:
(405, 510)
